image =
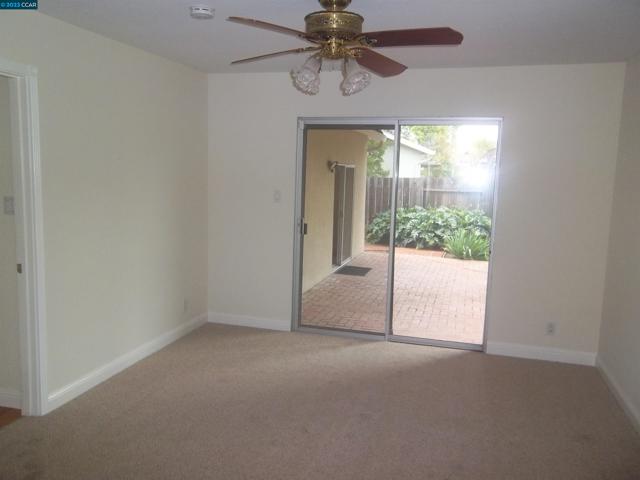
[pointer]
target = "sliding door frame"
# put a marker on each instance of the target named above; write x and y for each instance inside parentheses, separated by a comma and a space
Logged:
(387, 123)
(405, 122)
(344, 195)
(304, 125)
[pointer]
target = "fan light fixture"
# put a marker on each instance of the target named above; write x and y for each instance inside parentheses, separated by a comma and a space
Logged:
(355, 79)
(336, 34)
(307, 78)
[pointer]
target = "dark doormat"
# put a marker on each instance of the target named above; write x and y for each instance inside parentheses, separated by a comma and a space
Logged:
(357, 271)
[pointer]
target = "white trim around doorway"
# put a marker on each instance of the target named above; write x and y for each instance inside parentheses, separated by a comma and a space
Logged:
(29, 230)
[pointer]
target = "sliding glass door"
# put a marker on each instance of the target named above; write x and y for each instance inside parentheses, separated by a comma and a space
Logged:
(343, 281)
(395, 229)
(443, 224)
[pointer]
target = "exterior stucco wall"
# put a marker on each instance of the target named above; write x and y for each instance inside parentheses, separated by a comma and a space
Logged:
(343, 146)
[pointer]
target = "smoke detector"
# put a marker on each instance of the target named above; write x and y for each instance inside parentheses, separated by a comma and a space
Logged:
(201, 12)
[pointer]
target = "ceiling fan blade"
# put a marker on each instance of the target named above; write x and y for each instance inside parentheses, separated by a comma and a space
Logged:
(414, 36)
(269, 26)
(379, 64)
(276, 54)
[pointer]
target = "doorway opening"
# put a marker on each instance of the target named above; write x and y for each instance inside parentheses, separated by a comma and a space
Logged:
(342, 213)
(410, 207)
(10, 370)
(22, 327)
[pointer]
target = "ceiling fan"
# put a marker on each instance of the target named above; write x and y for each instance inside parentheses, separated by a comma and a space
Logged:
(336, 34)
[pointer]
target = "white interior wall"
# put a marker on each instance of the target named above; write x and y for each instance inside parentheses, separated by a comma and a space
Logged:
(619, 353)
(558, 160)
(10, 384)
(124, 178)
(123, 142)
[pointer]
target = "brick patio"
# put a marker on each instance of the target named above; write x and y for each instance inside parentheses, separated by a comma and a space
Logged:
(436, 298)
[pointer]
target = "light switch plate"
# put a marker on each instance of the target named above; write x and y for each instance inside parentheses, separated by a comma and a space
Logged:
(9, 206)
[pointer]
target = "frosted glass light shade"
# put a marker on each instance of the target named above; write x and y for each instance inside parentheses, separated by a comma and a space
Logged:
(307, 78)
(355, 79)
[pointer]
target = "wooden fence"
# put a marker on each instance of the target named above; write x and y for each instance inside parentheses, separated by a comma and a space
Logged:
(424, 192)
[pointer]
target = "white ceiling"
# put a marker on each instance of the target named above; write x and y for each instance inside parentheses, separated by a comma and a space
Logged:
(497, 32)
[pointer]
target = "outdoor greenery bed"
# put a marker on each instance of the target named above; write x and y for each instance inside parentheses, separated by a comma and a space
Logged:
(460, 232)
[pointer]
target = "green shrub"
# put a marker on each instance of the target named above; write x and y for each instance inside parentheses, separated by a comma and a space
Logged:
(428, 227)
(378, 229)
(467, 245)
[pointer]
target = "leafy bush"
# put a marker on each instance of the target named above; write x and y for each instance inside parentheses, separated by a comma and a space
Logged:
(467, 245)
(378, 229)
(428, 227)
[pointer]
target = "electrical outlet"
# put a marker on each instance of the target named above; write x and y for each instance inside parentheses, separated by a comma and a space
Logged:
(551, 328)
(185, 306)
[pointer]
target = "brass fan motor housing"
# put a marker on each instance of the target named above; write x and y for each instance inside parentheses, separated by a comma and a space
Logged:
(339, 25)
(334, 5)
(336, 34)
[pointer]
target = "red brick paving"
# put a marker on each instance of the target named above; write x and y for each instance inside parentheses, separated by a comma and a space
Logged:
(436, 298)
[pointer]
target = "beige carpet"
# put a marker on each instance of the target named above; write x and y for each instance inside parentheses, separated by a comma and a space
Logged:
(235, 403)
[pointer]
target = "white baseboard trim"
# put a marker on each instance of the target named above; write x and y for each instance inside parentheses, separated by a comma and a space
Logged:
(99, 375)
(632, 411)
(10, 398)
(254, 322)
(541, 353)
